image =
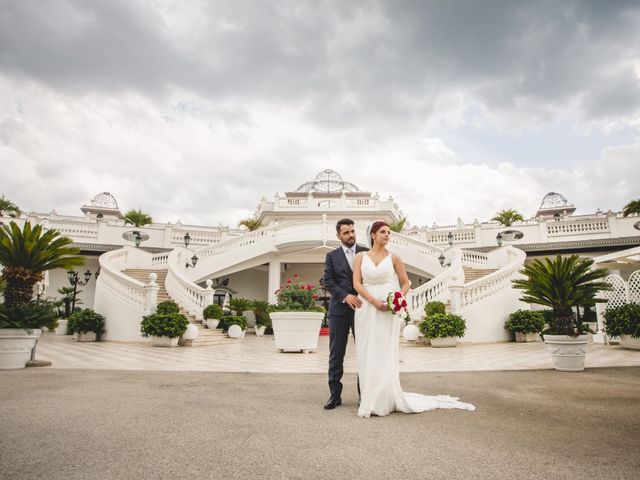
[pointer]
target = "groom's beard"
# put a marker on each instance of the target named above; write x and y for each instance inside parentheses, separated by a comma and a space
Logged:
(349, 243)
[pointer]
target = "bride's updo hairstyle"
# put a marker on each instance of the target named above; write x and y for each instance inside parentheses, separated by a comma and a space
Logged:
(375, 226)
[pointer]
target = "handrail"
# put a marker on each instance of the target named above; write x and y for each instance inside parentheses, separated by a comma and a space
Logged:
(186, 293)
(128, 290)
(483, 287)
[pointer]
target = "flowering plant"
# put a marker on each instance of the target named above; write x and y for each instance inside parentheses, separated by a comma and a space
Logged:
(398, 305)
(295, 296)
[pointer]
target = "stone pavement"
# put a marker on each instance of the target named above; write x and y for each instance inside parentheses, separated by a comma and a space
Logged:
(259, 355)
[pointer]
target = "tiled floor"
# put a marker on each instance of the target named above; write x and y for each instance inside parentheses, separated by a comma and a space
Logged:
(258, 354)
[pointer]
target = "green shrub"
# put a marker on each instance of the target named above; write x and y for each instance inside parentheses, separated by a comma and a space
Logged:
(434, 307)
(239, 305)
(297, 297)
(168, 306)
(623, 320)
(441, 325)
(170, 325)
(228, 320)
(260, 309)
(85, 321)
(213, 311)
(28, 316)
(525, 321)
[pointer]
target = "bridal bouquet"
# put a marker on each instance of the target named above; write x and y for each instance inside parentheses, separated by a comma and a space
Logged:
(398, 306)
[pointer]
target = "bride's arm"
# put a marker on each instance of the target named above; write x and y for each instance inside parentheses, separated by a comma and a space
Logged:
(403, 278)
(357, 284)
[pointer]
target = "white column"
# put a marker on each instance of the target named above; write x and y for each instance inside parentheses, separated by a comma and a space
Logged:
(274, 280)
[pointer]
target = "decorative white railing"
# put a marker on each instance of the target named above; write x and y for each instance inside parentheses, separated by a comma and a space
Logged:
(75, 229)
(578, 227)
(476, 291)
(399, 240)
(160, 260)
(435, 289)
(125, 289)
(459, 236)
(473, 259)
(187, 294)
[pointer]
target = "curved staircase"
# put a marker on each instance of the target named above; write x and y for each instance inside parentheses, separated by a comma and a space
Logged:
(205, 336)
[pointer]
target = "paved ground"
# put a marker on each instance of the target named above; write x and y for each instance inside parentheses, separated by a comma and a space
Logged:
(259, 355)
(108, 424)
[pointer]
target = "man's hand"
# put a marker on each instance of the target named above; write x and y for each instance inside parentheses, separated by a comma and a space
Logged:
(353, 301)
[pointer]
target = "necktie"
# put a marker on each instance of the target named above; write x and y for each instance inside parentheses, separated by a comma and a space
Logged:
(350, 257)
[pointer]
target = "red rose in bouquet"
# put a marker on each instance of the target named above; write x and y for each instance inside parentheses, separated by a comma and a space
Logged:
(398, 305)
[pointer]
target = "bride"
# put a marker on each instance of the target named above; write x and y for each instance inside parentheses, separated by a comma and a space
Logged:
(376, 274)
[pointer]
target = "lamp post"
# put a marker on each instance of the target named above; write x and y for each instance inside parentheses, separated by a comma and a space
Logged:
(441, 259)
(194, 261)
(450, 238)
(187, 239)
(74, 280)
(499, 239)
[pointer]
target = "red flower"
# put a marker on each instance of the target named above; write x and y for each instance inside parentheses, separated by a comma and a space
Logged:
(309, 286)
(301, 287)
(295, 275)
(398, 295)
(404, 303)
(315, 297)
(289, 280)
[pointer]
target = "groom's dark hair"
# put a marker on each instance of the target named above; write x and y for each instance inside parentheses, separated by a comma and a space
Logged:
(344, 221)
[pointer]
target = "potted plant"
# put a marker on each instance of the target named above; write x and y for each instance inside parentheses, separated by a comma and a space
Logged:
(64, 307)
(443, 329)
(164, 329)
(260, 310)
(526, 325)
(296, 319)
(228, 321)
(168, 306)
(624, 322)
(212, 315)
(561, 284)
(87, 324)
(20, 327)
(25, 254)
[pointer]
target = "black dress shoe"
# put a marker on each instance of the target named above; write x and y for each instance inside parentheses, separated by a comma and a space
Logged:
(332, 403)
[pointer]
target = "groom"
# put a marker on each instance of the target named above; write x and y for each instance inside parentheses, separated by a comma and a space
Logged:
(338, 279)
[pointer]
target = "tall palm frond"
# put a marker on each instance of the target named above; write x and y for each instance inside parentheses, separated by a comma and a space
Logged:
(137, 218)
(7, 207)
(561, 284)
(399, 225)
(632, 207)
(507, 216)
(26, 254)
(251, 224)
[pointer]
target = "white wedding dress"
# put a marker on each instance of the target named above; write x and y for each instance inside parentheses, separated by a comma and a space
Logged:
(377, 346)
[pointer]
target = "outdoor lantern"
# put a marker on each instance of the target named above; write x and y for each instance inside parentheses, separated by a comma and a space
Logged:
(441, 259)
(137, 238)
(187, 239)
(71, 275)
(499, 239)
(194, 261)
(450, 238)
(87, 275)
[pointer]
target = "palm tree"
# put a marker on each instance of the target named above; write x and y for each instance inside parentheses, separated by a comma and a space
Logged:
(7, 207)
(251, 224)
(399, 225)
(66, 300)
(26, 254)
(561, 284)
(507, 216)
(632, 207)
(137, 218)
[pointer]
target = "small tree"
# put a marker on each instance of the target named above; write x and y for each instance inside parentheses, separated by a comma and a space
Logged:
(137, 218)
(251, 224)
(507, 216)
(562, 284)
(399, 225)
(7, 207)
(26, 254)
(633, 207)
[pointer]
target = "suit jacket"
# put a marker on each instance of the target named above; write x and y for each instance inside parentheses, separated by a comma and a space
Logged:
(338, 280)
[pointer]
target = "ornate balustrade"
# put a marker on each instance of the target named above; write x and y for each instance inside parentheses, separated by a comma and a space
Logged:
(123, 288)
(189, 295)
(578, 227)
(474, 259)
(476, 291)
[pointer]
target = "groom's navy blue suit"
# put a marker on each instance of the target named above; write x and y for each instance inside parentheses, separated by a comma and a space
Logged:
(338, 280)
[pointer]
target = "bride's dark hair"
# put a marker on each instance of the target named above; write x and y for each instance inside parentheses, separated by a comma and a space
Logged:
(374, 228)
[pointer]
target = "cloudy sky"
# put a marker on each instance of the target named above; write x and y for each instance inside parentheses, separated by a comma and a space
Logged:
(194, 110)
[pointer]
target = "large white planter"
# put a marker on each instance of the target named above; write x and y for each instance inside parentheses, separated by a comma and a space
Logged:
(444, 342)
(296, 331)
(567, 353)
(61, 329)
(627, 341)
(15, 347)
(527, 337)
(86, 337)
(164, 341)
(259, 329)
(212, 323)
